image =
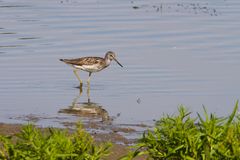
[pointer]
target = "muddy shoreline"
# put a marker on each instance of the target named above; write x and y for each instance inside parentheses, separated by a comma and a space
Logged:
(126, 134)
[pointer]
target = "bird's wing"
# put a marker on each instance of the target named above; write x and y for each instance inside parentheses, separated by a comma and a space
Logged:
(83, 61)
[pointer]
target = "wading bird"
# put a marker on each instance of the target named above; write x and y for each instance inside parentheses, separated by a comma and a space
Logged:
(90, 64)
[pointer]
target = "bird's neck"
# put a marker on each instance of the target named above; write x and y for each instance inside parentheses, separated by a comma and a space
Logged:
(107, 61)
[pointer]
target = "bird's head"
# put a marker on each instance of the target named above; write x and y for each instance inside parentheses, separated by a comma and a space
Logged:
(112, 56)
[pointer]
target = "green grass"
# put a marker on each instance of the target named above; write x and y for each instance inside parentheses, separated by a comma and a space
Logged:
(179, 136)
(53, 144)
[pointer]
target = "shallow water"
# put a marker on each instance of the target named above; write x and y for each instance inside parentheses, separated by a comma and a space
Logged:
(173, 52)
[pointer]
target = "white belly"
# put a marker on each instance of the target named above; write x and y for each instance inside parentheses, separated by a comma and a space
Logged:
(89, 68)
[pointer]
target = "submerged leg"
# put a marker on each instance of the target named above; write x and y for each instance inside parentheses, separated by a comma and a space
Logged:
(88, 81)
(88, 93)
(80, 89)
(76, 74)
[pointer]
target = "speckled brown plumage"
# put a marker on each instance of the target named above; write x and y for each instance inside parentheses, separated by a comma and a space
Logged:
(84, 61)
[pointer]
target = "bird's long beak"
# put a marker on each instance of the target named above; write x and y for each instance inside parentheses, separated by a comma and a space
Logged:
(117, 62)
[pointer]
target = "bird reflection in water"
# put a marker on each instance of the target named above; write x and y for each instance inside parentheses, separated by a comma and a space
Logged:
(87, 109)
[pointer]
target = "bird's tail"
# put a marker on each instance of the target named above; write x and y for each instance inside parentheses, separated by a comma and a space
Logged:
(61, 60)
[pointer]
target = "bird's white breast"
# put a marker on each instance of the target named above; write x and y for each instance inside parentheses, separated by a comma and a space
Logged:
(108, 61)
(89, 68)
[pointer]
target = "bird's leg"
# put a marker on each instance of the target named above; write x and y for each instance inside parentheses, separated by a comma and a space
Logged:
(76, 74)
(88, 93)
(80, 89)
(88, 87)
(88, 81)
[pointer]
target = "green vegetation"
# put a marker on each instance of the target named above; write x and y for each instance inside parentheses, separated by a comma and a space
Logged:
(182, 137)
(52, 144)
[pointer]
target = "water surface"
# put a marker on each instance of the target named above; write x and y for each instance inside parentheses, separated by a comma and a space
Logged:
(173, 52)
